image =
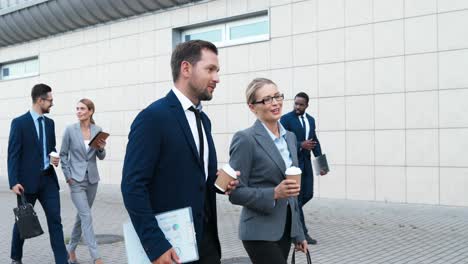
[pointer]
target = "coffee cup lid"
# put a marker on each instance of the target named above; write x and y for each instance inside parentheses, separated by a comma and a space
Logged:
(293, 171)
(229, 170)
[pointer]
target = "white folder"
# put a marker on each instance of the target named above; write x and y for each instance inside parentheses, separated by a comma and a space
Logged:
(177, 226)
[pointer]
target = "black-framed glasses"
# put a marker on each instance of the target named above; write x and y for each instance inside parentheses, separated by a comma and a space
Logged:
(48, 100)
(269, 99)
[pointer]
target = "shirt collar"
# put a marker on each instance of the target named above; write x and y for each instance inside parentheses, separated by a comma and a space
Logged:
(34, 114)
(184, 101)
(282, 131)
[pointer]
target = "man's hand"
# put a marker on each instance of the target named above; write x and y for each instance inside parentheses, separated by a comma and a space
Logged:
(232, 184)
(323, 173)
(55, 161)
(302, 246)
(314, 143)
(168, 257)
(308, 144)
(18, 189)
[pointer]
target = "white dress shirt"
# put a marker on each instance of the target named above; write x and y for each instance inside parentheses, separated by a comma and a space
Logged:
(307, 126)
(86, 143)
(192, 121)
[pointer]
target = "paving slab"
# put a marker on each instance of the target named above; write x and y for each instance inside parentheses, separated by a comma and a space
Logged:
(347, 231)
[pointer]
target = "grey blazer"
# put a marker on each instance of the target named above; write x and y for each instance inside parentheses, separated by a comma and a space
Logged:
(255, 155)
(74, 157)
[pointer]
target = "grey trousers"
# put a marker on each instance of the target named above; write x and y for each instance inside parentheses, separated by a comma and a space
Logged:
(82, 195)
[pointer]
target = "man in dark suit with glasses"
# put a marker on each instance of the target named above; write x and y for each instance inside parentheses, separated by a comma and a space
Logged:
(32, 138)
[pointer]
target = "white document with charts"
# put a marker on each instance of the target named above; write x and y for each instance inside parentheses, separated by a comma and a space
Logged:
(177, 226)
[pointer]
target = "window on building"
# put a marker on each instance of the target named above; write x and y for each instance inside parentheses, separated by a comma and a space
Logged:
(19, 69)
(231, 32)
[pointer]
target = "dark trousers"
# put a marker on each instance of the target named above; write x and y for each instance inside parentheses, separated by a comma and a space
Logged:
(271, 252)
(208, 249)
(307, 189)
(48, 196)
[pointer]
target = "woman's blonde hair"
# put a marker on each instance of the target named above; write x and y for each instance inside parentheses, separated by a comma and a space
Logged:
(252, 88)
(90, 106)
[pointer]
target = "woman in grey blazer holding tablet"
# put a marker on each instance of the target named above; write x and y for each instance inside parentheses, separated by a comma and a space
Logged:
(79, 167)
(270, 216)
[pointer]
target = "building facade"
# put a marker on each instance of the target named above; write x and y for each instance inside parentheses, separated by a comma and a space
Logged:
(388, 79)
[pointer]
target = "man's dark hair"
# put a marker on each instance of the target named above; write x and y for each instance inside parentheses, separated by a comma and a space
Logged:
(40, 91)
(189, 51)
(303, 95)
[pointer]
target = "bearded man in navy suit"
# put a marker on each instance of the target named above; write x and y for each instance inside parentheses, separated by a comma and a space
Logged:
(170, 162)
(303, 126)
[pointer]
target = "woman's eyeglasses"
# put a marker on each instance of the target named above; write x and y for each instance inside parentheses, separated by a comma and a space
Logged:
(269, 99)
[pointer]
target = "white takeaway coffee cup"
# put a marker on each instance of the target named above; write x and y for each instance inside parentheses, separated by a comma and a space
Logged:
(225, 175)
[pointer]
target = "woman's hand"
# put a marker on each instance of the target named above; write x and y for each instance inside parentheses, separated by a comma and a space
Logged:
(287, 188)
(101, 144)
(302, 246)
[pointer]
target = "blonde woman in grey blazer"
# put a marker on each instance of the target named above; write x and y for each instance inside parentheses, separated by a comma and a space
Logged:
(270, 215)
(81, 173)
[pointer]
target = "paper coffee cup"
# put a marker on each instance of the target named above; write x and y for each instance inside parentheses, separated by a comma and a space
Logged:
(294, 173)
(52, 156)
(225, 176)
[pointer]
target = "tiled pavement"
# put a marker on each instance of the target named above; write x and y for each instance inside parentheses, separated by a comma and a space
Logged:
(347, 231)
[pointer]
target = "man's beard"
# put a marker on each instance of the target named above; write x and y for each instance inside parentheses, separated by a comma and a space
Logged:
(205, 96)
(201, 93)
(45, 110)
(298, 112)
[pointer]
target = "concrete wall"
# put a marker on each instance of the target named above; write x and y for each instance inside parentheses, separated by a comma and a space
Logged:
(387, 78)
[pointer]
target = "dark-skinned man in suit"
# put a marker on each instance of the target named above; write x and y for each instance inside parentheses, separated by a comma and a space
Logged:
(303, 125)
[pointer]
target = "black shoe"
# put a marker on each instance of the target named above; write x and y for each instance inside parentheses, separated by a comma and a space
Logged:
(16, 261)
(310, 240)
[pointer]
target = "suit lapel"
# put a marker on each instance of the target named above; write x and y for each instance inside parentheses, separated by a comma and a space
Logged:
(292, 149)
(32, 127)
(80, 138)
(211, 146)
(179, 114)
(309, 118)
(265, 142)
(47, 134)
(94, 131)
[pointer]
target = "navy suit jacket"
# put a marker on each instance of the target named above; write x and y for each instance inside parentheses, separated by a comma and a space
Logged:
(162, 172)
(25, 162)
(291, 122)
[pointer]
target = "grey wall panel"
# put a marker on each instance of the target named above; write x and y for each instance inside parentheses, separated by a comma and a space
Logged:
(42, 18)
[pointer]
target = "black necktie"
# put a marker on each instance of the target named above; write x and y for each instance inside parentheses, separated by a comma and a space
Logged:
(304, 127)
(207, 207)
(200, 136)
(41, 138)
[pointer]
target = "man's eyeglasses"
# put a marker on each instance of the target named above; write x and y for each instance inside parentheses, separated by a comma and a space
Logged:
(48, 100)
(269, 99)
